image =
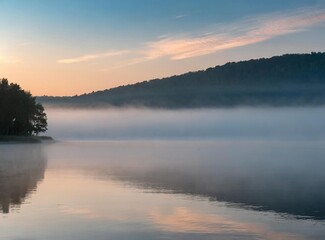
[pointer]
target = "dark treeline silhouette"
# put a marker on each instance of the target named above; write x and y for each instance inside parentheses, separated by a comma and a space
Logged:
(20, 115)
(292, 79)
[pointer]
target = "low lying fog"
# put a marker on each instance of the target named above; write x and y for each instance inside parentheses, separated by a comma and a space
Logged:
(248, 123)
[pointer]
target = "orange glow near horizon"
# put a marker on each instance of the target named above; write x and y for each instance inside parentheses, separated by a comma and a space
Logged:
(67, 65)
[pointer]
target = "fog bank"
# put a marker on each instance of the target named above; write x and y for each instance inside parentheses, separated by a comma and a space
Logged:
(237, 123)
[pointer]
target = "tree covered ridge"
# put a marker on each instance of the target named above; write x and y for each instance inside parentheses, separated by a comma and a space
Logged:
(20, 115)
(291, 79)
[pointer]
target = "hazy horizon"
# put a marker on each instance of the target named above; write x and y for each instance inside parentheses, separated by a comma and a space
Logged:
(242, 123)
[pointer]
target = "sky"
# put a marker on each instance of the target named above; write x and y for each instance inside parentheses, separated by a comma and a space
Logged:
(70, 47)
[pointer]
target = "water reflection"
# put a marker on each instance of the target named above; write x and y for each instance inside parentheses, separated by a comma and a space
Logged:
(21, 168)
(284, 177)
(298, 190)
(185, 220)
(160, 190)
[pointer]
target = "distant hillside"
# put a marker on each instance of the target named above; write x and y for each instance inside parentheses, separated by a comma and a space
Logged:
(291, 79)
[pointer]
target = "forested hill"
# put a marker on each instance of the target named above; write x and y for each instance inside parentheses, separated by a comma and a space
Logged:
(292, 79)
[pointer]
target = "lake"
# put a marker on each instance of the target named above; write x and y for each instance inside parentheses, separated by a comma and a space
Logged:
(239, 173)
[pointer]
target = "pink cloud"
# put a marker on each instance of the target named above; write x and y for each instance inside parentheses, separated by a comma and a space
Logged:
(244, 33)
(90, 57)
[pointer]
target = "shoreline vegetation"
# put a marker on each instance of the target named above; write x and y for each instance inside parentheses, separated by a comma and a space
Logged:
(288, 80)
(25, 139)
(21, 117)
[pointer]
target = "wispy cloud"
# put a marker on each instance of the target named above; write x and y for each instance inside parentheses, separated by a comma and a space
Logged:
(180, 16)
(89, 57)
(233, 35)
(220, 37)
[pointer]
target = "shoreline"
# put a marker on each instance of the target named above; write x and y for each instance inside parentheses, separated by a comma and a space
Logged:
(25, 139)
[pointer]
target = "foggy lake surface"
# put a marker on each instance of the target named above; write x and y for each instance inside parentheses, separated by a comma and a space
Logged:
(242, 173)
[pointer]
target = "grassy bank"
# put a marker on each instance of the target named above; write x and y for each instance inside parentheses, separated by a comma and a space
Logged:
(25, 139)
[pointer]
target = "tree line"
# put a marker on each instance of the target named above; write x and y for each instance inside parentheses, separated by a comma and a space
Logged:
(291, 79)
(20, 114)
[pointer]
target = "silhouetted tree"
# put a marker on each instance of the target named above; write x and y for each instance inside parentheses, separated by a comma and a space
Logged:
(19, 112)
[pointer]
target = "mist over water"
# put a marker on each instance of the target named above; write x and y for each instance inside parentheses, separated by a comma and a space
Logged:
(236, 123)
(241, 173)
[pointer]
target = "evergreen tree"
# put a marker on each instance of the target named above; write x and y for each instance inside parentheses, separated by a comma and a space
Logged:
(19, 113)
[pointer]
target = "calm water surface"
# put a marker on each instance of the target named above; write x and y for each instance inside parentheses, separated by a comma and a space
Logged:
(164, 189)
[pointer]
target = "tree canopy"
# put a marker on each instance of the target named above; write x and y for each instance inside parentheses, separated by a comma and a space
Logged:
(287, 80)
(20, 114)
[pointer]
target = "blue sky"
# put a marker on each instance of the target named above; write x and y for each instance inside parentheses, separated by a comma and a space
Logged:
(98, 44)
